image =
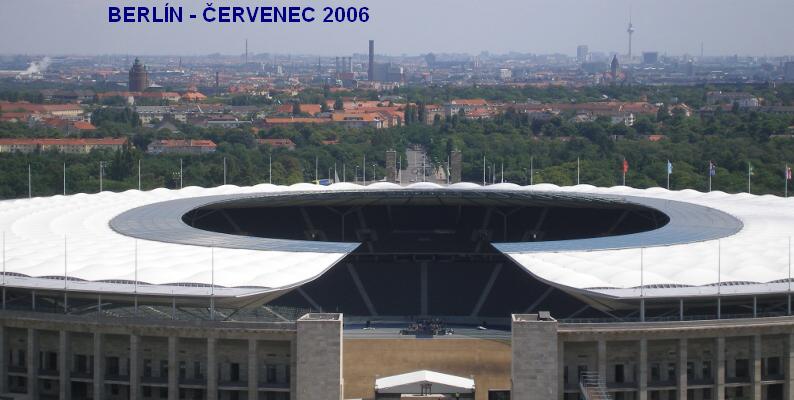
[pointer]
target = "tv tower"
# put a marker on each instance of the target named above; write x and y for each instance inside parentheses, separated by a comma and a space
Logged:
(630, 31)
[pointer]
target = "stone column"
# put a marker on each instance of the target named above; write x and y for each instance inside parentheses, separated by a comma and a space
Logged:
(602, 360)
(788, 366)
(3, 360)
(682, 364)
(253, 371)
(757, 367)
(33, 363)
(99, 367)
(293, 369)
(64, 366)
(534, 357)
(135, 368)
(561, 369)
(319, 357)
(643, 378)
(719, 369)
(212, 373)
(173, 369)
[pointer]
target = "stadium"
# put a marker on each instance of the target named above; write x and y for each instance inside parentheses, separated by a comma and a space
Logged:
(381, 291)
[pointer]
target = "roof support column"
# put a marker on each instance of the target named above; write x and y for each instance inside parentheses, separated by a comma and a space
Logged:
(64, 355)
(212, 373)
(253, 372)
(33, 363)
(3, 365)
(757, 360)
(602, 360)
(173, 371)
(99, 367)
(134, 372)
(561, 370)
(788, 366)
(719, 379)
(681, 309)
(423, 287)
(643, 383)
(682, 369)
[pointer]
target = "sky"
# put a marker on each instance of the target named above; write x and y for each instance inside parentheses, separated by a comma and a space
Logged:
(412, 27)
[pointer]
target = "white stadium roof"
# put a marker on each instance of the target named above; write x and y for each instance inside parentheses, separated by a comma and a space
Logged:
(71, 235)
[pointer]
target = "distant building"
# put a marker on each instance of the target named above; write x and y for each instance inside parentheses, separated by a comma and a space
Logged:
(190, 146)
(277, 143)
(788, 71)
(70, 146)
(139, 77)
(650, 57)
(615, 68)
(582, 51)
(371, 66)
(742, 99)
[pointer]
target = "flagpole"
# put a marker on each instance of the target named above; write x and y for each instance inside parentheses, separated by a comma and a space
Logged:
(785, 180)
(577, 170)
(483, 170)
(668, 174)
(623, 168)
(749, 174)
(531, 171)
(139, 174)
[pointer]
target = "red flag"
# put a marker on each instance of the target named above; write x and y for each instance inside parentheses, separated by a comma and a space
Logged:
(625, 166)
(788, 173)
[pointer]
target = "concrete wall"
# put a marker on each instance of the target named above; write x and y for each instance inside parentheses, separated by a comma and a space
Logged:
(535, 360)
(319, 359)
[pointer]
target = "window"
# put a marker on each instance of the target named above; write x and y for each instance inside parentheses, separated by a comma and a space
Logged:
(147, 368)
(656, 373)
(234, 372)
(270, 371)
(690, 370)
(182, 370)
(742, 368)
(197, 370)
(81, 363)
(619, 374)
(21, 361)
(147, 391)
(163, 368)
(706, 370)
(112, 366)
(773, 366)
(671, 373)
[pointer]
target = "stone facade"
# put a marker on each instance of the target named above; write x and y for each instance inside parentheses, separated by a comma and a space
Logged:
(71, 357)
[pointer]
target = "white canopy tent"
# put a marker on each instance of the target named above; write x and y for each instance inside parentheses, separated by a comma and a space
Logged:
(424, 382)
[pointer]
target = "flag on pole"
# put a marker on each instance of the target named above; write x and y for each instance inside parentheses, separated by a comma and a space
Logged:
(750, 170)
(625, 166)
(788, 173)
(712, 168)
(669, 167)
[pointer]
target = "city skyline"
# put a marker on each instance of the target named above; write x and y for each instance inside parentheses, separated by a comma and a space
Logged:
(675, 27)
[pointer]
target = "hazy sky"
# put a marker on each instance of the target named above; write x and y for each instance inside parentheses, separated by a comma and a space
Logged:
(726, 27)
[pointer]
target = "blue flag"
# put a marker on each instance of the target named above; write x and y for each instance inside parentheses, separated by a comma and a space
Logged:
(712, 168)
(669, 167)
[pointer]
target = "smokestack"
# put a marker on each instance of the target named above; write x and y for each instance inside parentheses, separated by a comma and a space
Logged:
(371, 71)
